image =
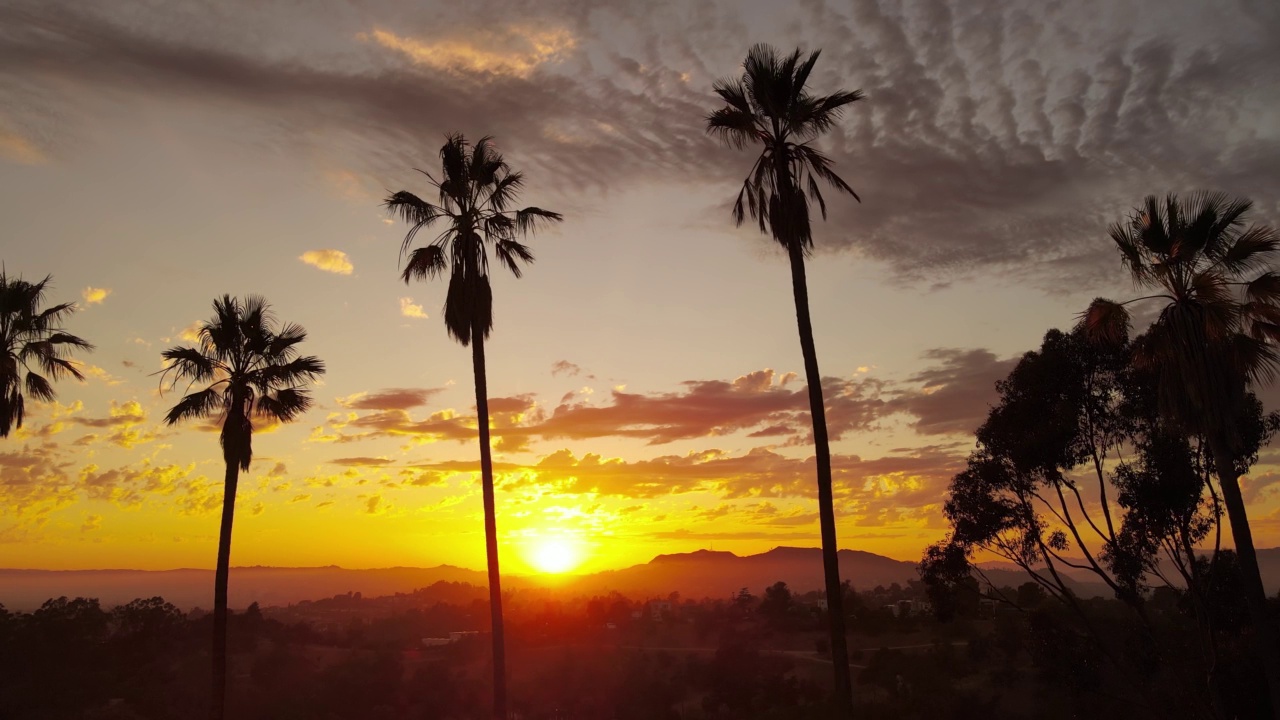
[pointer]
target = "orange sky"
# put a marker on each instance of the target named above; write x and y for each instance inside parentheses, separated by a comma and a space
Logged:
(643, 373)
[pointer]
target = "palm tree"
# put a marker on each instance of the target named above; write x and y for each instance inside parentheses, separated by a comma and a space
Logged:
(476, 189)
(1214, 337)
(249, 368)
(31, 337)
(770, 106)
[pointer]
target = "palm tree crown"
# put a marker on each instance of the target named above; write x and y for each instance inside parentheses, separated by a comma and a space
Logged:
(1214, 335)
(770, 105)
(249, 368)
(476, 191)
(34, 349)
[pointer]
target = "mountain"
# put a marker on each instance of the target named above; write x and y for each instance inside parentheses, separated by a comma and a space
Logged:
(189, 588)
(697, 574)
(705, 573)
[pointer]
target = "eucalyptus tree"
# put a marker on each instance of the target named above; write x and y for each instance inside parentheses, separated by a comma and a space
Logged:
(34, 349)
(1214, 337)
(475, 193)
(248, 367)
(770, 108)
(1078, 475)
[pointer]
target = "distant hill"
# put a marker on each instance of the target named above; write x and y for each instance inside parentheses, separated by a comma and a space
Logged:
(694, 575)
(189, 588)
(705, 573)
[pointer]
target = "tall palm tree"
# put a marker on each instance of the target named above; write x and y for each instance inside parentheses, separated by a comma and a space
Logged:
(1214, 337)
(249, 368)
(475, 191)
(31, 337)
(770, 106)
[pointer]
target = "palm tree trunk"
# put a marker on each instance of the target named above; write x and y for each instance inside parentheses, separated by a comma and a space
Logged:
(826, 505)
(490, 527)
(1265, 636)
(218, 691)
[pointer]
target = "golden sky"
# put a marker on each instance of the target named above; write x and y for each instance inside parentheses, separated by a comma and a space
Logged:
(643, 374)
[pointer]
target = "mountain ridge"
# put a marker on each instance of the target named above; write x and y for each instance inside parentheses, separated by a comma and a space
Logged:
(699, 573)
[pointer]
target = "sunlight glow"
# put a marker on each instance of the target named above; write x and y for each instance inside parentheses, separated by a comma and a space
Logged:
(554, 555)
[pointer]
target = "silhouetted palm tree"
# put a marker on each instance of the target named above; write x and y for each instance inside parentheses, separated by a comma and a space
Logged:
(248, 368)
(31, 337)
(1213, 338)
(769, 106)
(476, 189)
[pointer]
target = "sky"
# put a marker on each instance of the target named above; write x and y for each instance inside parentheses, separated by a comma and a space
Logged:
(643, 373)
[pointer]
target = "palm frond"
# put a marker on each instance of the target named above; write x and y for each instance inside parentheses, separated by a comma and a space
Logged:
(187, 363)
(196, 406)
(1252, 250)
(820, 165)
(62, 338)
(295, 372)
(425, 262)
(531, 218)
(1105, 322)
(284, 405)
(414, 210)
(1264, 289)
(39, 388)
(511, 253)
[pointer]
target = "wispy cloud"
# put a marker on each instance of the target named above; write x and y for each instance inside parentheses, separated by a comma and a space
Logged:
(18, 149)
(515, 51)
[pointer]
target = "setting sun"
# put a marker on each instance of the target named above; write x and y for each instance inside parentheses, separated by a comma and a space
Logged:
(554, 555)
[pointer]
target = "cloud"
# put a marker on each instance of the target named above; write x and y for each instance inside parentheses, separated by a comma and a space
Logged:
(130, 485)
(124, 419)
(755, 403)
(760, 486)
(995, 135)
(564, 367)
(956, 393)
(34, 481)
(18, 149)
(410, 310)
(515, 51)
(91, 522)
(334, 261)
(361, 462)
(191, 333)
(98, 373)
(95, 296)
(389, 399)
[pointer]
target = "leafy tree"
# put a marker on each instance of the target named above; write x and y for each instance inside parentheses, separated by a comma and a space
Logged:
(1214, 337)
(476, 189)
(770, 106)
(34, 349)
(1065, 414)
(147, 622)
(249, 368)
(777, 602)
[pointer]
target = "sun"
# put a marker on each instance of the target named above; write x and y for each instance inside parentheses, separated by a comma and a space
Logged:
(554, 555)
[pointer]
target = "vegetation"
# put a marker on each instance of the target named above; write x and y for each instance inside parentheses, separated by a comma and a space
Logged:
(1076, 470)
(771, 106)
(249, 368)
(1214, 337)
(476, 190)
(36, 350)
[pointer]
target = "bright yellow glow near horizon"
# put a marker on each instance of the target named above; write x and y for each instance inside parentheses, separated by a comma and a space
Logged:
(554, 555)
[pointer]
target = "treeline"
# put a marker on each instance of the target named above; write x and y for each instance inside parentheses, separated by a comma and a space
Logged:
(750, 656)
